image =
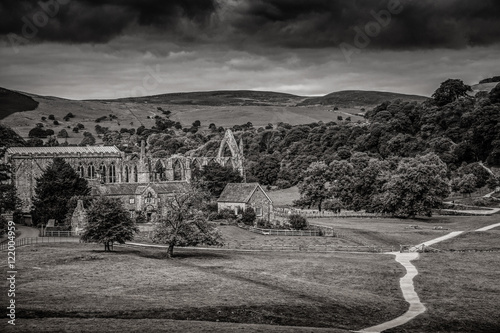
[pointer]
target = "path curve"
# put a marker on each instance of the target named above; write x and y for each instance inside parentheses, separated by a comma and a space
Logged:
(409, 294)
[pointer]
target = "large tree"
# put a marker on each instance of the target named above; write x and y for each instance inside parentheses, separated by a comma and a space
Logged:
(108, 223)
(313, 188)
(185, 224)
(450, 90)
(54, 188)
(214, 177)
(416, 187)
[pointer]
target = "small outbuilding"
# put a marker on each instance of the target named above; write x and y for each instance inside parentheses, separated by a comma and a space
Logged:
(238, 197)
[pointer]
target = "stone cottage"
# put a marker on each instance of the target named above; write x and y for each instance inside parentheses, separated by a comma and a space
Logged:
(239, 197)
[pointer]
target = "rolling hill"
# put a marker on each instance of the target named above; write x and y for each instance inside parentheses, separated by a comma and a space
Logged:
(22, 111)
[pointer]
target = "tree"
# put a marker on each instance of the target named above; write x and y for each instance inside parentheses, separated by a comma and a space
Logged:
(416, 187)
(108, 223)
(297, 222)
(495, 94)
(467, 184)
(449, 91)
(54, 188)
(9, 200)
(185, 224)
(313, 186)
(214, 177)
(63, 134)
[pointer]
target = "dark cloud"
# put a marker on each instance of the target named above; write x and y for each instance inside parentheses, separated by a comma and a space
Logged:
(422, 24)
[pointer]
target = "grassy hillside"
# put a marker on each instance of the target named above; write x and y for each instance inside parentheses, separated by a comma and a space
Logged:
(12, 102)
(220, 98)
(359, 98)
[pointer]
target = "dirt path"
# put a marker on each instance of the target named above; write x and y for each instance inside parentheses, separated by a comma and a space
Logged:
(407, 286)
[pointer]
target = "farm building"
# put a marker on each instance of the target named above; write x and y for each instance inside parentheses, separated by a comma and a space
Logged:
(239, 197)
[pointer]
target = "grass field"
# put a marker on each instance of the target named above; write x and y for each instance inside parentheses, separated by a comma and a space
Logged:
(461, 293)
(70, 284)
(395, 232)
(473, 241)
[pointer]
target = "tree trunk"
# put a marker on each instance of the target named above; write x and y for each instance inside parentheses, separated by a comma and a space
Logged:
(106, 246)
(170, 251)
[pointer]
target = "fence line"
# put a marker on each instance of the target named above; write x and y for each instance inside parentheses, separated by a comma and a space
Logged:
(36, 240)
(286, 212)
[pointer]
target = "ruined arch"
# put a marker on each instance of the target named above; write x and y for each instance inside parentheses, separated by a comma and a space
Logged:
(235, 149)
(178, 170)
(160, 171)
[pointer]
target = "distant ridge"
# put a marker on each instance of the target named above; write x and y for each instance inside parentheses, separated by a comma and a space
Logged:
(353, 98)
(347, 98)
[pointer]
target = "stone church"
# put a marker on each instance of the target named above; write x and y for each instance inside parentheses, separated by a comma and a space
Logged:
(142, 182)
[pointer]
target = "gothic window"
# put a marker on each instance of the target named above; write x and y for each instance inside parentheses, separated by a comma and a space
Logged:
(81, 170)
(195, 165)
(91, 171)
(178, 171)
(102, 169)
(126, 174)
(160, 172)
(136, 177)
(149, 198)
(112, 173)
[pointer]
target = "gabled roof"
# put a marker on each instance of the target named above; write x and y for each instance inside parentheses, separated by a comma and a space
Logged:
(240, 192)
(63, 150)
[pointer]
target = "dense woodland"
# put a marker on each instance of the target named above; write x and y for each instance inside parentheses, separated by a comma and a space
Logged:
(460, 130)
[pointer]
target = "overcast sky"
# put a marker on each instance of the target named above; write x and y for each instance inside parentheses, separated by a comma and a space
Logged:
(83, 49)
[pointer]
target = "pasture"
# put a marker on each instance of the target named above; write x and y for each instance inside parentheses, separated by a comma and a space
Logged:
(61, 286)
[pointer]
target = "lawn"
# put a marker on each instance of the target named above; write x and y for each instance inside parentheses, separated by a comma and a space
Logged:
(461, 293)
(393, 232)
(473, 241)
(80, 287)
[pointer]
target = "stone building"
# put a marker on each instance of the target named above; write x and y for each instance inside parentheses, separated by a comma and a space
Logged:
(112, 172)
(239, 197)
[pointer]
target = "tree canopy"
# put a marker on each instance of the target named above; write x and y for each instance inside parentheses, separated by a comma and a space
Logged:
(214, 177)
(108, 223)
(185, 224)
(54, 188)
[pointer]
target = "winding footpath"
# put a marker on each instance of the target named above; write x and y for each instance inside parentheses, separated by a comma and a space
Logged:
(406, 282)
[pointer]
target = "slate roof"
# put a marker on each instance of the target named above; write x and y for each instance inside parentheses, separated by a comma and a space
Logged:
(63, 150)
(239, 192)
(133, 189)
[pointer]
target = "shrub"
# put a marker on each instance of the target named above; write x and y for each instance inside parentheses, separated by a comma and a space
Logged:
(297, 222)
(51, 117)
(227, 214)
(44, 118)
(248, 216)
(80, 126)
(62, 134)
(56, 122)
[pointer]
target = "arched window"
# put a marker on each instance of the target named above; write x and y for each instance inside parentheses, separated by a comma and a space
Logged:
(81, 170)
(112, 173)
(102, 170)
(195, 165)
(178, 171)
(126, 174)
(91, 171)
(160, 172)
(136, 177)
(149, 198)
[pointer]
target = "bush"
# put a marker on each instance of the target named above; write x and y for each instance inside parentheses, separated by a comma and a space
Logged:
(248, 216)
(62, 134)
(226, 214)
(297, 222)
(51, 117)
(56, 122)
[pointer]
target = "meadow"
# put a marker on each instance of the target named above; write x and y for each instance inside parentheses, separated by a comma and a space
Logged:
(79, 288)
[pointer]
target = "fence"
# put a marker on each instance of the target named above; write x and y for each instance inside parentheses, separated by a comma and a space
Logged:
(286, 212)
(59, 234)
(280, 232)
(37, 240)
